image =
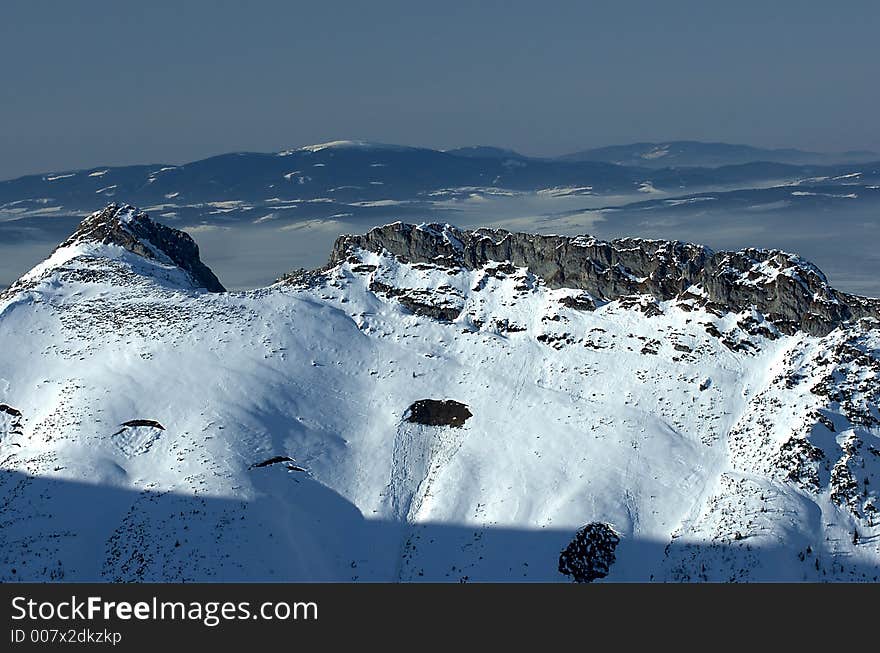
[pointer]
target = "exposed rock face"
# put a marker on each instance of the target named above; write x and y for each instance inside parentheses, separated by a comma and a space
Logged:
(9, 410)
(435, 304)
(580, 303)
(435, 412)
(274, 460)
(137, 437)
(132, 229)
(10, 422)
(789, 291)
(590, 554)
(141, 422)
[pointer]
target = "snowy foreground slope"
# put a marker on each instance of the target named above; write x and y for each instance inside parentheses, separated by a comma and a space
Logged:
(154, 427)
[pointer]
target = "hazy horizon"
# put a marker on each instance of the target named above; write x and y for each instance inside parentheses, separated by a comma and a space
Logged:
(99, 83)
(245, 256)
(111, 164)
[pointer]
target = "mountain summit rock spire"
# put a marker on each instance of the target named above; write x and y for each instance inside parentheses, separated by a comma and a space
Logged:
(132, 229)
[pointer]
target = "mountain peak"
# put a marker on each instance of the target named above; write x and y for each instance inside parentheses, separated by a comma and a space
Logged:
(124, 226)
(133, 230)
(346, 145)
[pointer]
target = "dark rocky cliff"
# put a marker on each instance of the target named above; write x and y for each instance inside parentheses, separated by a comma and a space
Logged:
(792, 293)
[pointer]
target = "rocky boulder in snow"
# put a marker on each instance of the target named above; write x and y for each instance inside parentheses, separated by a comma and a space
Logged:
(590, 554)
(141, 422)
(434, 412)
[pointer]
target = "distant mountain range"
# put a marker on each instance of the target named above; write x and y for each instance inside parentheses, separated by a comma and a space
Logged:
(354, 185)
(699, 154)
(355, 178)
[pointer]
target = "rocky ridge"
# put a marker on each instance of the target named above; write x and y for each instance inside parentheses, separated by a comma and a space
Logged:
(792, 293)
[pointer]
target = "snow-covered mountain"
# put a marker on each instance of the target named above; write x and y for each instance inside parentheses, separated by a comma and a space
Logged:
(362, 179)
(436, 404)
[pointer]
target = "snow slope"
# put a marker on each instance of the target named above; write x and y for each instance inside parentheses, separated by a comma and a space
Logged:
(171, 433)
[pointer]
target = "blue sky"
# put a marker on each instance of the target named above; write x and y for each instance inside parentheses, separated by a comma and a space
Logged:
(88, 83)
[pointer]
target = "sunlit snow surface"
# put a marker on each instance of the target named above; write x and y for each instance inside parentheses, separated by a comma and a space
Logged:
(649, 423)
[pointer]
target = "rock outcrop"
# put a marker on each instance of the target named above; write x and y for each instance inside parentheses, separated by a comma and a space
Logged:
(789, 291)
(590, 554)
(10, 422)
(132, 229)
(438, 412)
